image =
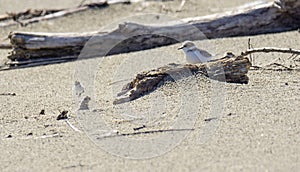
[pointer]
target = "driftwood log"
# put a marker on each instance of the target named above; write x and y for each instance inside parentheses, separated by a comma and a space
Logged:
(277, 16)
(226, 69)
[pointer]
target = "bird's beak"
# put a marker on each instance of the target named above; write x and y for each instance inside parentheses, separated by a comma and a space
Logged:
(180, 48)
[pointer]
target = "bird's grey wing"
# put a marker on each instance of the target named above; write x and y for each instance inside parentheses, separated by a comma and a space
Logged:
(205, 53)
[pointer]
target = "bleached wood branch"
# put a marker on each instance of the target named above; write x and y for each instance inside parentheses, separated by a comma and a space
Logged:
(110, 135)
(72, 126)
(270, 49)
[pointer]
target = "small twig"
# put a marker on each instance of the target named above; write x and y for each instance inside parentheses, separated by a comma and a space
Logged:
(293, 58)
(139, 128)
(144, 132)
(48, 136)
(255, 67)
(5, 46)
(280, 65)
(36, 62)
(270, 49)
(250, 51)
(210, 119)
(7, 94)
(40, 137)
(249, 47)
(72, 126)
(284, 68)
(64, 116)
(181, 6)
(39, 60)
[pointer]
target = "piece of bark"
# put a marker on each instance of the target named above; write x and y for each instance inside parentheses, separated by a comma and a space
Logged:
(226, 69)
(266, 18)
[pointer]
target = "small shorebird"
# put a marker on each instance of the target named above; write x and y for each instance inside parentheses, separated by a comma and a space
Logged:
(229, 55)
(194, 54)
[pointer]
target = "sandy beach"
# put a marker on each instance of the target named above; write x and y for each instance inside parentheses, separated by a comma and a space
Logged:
(230, 127)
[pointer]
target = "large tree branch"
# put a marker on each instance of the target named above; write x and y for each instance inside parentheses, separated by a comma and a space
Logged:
(278, 16)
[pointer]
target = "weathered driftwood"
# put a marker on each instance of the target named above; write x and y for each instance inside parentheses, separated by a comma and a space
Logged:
(271, 49)
(278, 16)
(225, 69)
(36, 15)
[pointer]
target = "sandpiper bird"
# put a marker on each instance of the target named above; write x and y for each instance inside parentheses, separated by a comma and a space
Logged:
(194, 54)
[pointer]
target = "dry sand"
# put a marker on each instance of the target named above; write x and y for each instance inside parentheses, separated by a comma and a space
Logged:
(260, 134)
